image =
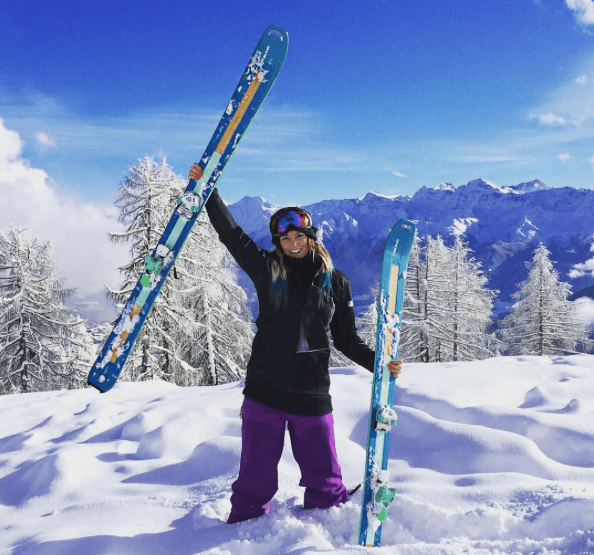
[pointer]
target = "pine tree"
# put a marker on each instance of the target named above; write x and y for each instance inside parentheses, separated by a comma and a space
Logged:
(414, 338)
(471, 305)
(438, 325)
(543, 321)
(367, 322)
(42, 345)
(219, 348)
(81, 353)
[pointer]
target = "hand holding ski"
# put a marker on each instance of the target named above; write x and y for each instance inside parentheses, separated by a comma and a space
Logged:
(195, 172)
(395, 367)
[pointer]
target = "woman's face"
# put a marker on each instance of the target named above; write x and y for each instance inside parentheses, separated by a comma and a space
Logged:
(294, 244)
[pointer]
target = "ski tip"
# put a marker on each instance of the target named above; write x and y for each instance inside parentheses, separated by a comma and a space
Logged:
(281, 34)
(406, 225)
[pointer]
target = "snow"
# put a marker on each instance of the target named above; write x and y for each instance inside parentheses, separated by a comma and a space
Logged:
(445, 187)
(381, 195)
(461, 225)
(489, 457)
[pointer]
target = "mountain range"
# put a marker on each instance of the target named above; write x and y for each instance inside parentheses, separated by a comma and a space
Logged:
(502, 225)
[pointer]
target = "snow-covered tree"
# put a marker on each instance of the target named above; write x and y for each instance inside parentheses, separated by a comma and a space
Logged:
(42, 345)
(414, 344)
(81, 353)
(471, 305)
(437, 289)
(367, 322)
(337, 359)
(543, 321)
(219, 348)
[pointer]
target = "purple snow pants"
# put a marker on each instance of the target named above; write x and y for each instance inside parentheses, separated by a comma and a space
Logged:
(262, 435)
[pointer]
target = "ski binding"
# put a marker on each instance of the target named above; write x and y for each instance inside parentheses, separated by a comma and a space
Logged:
(379, 506)
(385, 418)
(188, 205)
(153, 265)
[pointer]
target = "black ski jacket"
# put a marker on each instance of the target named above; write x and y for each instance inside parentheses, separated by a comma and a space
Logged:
(288, 367)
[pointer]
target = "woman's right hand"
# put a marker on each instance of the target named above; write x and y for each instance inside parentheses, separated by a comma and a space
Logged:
(195, 172)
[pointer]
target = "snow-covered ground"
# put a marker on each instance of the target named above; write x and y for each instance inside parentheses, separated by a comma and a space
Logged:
(490, 457)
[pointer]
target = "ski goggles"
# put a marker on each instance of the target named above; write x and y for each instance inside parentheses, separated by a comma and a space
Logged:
(297, 218)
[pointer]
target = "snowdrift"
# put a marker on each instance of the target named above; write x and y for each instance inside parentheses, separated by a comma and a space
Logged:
(489, 457)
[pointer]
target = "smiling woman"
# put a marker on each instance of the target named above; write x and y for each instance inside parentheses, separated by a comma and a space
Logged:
(301, 298)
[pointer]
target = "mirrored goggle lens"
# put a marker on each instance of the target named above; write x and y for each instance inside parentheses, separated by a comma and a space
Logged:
(292, 218)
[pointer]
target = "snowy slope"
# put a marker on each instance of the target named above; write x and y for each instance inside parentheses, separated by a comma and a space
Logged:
(490, 457)
(502, 224)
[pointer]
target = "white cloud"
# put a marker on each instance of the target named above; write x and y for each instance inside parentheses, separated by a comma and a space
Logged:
(44, 141)
(581, 80)
(585, 309)
(584, 10)
(581, 270)
(551, 119)
(564, 157)
(584, 269)
(398, 174)
(592, 160)
(77, 229)
(10, 143)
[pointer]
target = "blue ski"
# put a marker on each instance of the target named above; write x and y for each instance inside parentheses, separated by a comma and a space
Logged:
(257, 79)
(377, 496)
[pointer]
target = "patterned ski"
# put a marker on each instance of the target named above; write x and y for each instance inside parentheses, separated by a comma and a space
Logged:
(257, 79)
(377, 495)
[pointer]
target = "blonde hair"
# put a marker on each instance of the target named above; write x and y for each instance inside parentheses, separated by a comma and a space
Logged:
(317, 249)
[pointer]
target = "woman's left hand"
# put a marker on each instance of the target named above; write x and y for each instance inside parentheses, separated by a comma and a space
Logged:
(395, 367)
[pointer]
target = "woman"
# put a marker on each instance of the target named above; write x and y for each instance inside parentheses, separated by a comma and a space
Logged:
(300, 295)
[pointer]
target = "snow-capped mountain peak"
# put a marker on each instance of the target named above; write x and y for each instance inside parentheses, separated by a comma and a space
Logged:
(483, 184)
(254, 213)
(530, 186)
(445, 187)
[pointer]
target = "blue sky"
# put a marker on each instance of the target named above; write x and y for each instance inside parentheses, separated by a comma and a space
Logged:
(380, 95)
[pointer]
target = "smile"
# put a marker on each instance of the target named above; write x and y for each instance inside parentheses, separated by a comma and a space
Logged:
(295, 252)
